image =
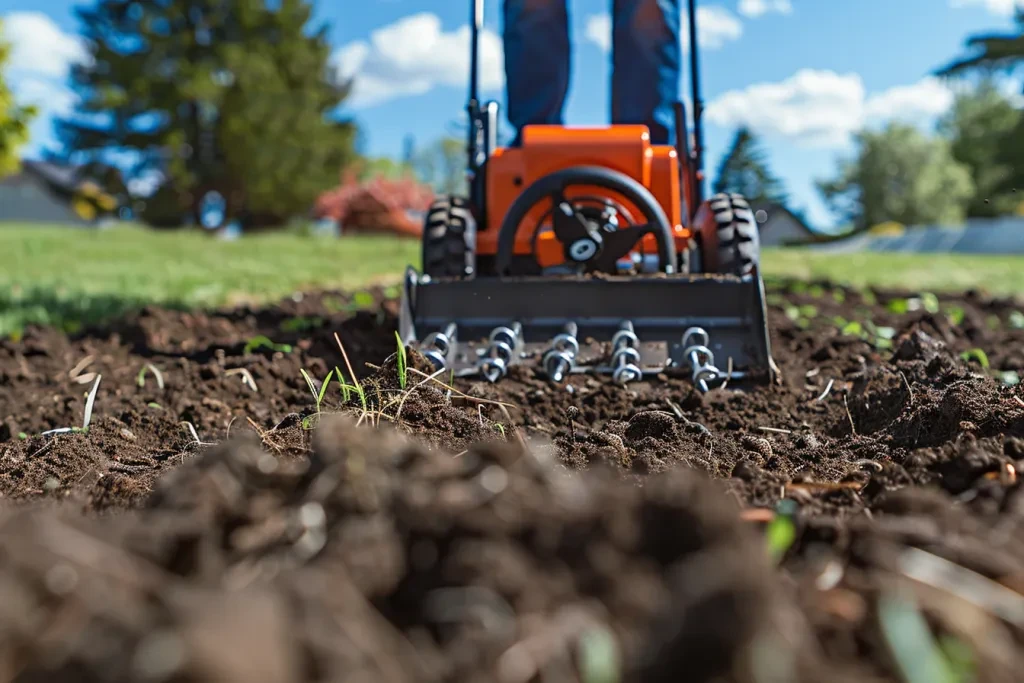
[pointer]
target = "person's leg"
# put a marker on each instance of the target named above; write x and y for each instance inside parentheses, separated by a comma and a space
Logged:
(646, 64)
(536, 35)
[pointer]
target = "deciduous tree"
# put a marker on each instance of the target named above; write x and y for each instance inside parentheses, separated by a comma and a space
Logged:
(14, 119)
(899, 174)
(980, 127)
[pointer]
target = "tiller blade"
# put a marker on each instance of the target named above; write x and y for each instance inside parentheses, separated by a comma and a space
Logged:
(710, 328)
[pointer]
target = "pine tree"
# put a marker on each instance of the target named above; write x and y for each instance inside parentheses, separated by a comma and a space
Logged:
(744, 170)
(224, 95)
(14, 120)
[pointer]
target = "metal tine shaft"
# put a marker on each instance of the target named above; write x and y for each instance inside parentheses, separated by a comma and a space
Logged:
(504, 342)
(626, 355)
(437, 346)
(561, 356)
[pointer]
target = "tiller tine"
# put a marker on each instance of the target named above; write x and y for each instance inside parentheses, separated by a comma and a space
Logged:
(711, 328)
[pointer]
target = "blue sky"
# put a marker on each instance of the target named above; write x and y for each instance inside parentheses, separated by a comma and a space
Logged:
(804, 74)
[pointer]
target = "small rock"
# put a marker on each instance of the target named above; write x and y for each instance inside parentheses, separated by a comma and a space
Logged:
(745, 470)
(762, 447)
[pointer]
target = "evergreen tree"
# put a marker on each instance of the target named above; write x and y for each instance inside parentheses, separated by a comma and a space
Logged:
(744, 170)
(231, 96)
(14, 120)
(992, 51)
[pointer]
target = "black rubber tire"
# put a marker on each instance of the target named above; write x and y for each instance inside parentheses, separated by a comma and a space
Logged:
(735, 241)
(449, 239)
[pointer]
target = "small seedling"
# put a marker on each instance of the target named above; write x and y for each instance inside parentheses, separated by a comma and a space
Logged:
(22, 435)
(955, 314)
(300, 324)
(919, 657)
(853, 329)
(361, 301)
(348, 389)
(155, 406)
(599, 659)
(261, 342)
(89, 401)
(141, 379)
(317, 396)
(781, 531)
(402, 367)
(978, 355)
(899, 306)
(1017, 320)
(501, 428)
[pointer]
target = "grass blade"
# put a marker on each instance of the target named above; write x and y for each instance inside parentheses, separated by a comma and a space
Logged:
(402, 372)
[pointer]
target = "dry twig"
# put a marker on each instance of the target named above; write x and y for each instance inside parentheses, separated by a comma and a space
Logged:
(776, 430)
(849, 415)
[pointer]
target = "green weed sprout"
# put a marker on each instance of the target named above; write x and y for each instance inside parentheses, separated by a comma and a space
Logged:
(261, 341)
(978, 355)
(920, 658)
(318, 397)
(781, 532)
(402, 367)
(149, 367)
(348, 389)
(599, 657)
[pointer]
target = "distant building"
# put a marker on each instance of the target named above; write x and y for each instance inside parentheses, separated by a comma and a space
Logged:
(780, 227)
(44, 192)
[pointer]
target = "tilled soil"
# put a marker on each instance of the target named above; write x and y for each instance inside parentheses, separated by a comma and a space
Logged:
(858, 521)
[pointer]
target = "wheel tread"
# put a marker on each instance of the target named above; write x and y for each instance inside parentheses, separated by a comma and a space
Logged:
(448, 241)
(735, 241)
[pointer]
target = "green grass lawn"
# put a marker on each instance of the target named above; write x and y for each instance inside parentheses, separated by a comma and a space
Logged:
(66, 276)
(60, 275)
(999, 275)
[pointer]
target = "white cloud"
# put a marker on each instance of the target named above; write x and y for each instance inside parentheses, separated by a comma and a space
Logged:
(40, 60)
(1003, 8)
(39, 46)
(413, 56)
(919, 102)
(756, 8)
(824, 108)
(716, 26)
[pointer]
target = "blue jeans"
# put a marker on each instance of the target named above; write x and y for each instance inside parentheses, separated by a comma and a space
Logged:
(646, 63)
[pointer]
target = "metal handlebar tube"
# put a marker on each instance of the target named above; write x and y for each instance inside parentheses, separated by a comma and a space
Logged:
(626, 355)
(437, 347)
(560, 358)
(504, 342)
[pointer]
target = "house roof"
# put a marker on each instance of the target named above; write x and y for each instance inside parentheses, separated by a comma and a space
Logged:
(63, 177)
(773, 209)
